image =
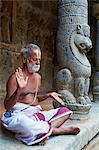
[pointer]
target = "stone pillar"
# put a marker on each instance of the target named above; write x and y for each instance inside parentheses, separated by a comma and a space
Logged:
(73, 42)
(96, 77)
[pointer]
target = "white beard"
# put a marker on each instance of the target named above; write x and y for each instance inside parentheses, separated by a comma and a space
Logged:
(33, 68)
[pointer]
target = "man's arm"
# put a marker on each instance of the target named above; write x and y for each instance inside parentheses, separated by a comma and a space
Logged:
(12, 93)
(14, 88)
(53, 95)
(43, 97)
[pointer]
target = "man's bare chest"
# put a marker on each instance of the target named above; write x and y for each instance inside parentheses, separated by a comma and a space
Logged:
(32, 86)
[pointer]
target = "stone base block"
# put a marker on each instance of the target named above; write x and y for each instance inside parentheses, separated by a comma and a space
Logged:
(76, 116)
(96, 96)
(79, 111)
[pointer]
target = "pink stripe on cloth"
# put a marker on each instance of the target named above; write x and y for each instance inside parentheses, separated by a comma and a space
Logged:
(42, 136)
(61, 112)
(40, 116)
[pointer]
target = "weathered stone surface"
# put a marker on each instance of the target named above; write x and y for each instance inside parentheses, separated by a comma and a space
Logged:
(8, 59)
(73, 43)
(23, 22)
(93, 144)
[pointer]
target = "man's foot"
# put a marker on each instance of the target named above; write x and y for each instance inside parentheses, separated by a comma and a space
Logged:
(65, 130)
(69, 130)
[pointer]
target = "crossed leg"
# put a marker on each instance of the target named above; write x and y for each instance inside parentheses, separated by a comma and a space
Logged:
(59, 130)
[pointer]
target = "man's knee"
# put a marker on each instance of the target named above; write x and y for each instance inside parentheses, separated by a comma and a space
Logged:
(63, 110)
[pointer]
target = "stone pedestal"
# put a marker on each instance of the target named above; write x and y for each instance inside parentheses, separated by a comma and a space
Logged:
(96, 77)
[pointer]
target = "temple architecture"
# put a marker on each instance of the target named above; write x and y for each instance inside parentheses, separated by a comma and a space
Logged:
(26, 21)
(67, 31)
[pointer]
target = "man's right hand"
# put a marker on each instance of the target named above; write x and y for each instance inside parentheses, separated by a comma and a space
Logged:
(21, 80)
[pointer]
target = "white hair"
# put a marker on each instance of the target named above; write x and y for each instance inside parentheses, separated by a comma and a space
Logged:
(28, 48)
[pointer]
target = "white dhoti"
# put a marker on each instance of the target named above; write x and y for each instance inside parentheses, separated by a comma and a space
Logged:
(30, 124)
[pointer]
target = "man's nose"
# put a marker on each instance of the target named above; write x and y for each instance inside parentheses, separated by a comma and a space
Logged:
(38, 61)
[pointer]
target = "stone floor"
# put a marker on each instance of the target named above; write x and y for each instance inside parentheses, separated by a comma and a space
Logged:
(89, 129)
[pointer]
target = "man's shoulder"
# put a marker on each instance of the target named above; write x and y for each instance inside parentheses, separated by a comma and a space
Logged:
(11, 81)
(38, 75)
(12, 77)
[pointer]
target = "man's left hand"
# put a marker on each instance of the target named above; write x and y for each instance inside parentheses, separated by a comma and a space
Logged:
(57, 96)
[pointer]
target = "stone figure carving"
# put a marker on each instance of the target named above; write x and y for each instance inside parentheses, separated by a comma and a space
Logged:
(73, 42)
(80, 66)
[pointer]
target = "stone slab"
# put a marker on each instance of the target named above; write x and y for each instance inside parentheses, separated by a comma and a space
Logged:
(93, 144)
(89, 129)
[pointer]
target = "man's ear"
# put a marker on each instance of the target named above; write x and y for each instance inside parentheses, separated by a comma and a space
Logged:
(24, 60)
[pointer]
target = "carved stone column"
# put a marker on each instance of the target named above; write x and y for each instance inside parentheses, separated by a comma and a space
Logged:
(73, 42)
(96, 77)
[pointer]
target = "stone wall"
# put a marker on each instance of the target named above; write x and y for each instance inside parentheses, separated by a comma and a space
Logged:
(91, 54)
(23, 22)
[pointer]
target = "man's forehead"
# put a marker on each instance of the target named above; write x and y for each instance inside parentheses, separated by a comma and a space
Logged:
(36, 53)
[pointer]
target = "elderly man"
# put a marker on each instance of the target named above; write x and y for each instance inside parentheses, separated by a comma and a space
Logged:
(23, 114)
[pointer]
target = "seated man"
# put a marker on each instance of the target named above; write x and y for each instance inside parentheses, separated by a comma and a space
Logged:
(23, 114)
